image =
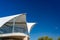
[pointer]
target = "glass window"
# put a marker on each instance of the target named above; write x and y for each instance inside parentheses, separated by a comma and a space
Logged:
(19, 29)
(5, 30)
(9, 29)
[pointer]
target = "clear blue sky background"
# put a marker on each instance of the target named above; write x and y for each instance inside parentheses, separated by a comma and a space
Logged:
(46, 13)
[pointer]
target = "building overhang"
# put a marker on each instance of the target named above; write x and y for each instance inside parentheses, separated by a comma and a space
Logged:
(20, 19)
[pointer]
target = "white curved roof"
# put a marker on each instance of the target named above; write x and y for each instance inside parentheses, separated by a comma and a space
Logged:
(4, 20)
(20, 18)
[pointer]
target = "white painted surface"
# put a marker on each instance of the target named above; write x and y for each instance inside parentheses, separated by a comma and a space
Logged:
(13, 34)
(29, 26)
(4, 20)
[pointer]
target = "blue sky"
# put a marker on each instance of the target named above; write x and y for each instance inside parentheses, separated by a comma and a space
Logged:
(46, 13)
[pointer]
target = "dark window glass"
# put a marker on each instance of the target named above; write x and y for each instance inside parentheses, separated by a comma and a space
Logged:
(19, 29)
(5, 30)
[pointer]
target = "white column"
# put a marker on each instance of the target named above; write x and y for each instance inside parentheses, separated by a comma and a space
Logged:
(13, 24)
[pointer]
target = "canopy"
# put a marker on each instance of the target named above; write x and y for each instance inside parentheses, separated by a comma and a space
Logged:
(19, 19)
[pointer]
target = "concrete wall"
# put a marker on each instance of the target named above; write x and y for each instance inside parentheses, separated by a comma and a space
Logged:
(15, 38)
(26, 38)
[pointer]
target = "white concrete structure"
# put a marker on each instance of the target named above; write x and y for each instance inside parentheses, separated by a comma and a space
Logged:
(15, 26)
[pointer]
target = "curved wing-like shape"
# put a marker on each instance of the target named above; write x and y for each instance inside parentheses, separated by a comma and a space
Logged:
(4, 20)
(29, 26)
